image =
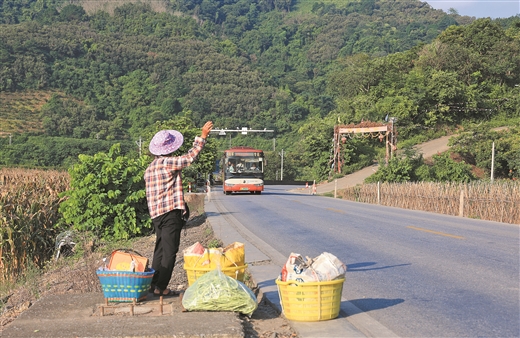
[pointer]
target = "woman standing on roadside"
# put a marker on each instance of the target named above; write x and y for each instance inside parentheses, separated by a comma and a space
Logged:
(165, 198)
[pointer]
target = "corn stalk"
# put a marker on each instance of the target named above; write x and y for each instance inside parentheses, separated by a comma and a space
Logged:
(28, 214)
(497, 201)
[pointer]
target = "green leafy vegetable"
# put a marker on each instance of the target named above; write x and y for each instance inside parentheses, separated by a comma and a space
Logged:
(214, 291)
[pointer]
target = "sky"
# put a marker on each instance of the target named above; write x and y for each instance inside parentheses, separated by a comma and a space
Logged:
(479, 8)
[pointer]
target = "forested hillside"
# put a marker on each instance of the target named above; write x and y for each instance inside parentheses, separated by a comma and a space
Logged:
(296, 67)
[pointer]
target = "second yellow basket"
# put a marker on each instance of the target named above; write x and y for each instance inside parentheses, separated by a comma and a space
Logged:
(310, 301)
(236, 272)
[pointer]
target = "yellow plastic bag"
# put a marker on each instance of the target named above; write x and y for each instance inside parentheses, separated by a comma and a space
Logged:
(196, 256)
(234, 255)
(230, 260)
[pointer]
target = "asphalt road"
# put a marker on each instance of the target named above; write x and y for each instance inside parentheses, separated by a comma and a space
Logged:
(418, 274)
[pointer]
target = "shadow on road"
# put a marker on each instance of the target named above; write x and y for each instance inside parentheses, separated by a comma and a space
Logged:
(361, 266)
(216, 214)
(266, 283)
(370, 304)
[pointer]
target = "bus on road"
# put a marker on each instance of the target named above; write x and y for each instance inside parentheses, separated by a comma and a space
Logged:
(243, 170)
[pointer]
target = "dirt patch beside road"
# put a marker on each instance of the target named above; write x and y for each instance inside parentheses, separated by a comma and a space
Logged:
(66, 276)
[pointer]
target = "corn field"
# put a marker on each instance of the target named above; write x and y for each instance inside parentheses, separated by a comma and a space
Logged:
(28, 214)
(497, 201)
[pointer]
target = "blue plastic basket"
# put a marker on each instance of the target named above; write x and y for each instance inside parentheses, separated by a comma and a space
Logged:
(125, 286)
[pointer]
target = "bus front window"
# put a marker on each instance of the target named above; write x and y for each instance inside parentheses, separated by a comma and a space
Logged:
(243, 165)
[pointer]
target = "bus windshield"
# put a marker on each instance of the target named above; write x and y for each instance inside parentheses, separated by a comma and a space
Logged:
(244, 164)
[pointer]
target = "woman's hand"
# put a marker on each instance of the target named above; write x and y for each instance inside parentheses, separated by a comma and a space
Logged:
(206, 129)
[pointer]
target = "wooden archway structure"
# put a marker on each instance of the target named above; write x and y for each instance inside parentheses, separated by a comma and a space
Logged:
(381, 131)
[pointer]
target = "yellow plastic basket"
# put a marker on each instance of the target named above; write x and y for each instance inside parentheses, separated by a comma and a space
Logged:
(310, 301)
(236, 272)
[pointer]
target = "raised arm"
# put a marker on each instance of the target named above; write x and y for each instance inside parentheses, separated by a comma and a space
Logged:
(206, 129)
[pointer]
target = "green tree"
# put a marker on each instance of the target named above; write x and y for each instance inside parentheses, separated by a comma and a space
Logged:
(316, 142)
(72, 13)
(475, 146)
(107, 196)
(446, 169)
(398, 170)
(273, 169)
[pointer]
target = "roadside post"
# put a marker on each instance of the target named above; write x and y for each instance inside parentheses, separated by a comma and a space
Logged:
(208, 190)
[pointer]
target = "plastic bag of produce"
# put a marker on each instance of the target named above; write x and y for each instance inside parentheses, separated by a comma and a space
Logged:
(214, 291)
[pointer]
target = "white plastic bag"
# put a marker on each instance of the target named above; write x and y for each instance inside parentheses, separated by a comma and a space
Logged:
(328, 267)
(325, 267)
(298, 269)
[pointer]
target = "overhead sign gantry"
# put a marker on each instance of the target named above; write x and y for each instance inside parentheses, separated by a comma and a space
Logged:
(243, 131)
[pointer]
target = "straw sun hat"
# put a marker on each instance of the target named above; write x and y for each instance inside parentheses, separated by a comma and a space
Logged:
(166, 142)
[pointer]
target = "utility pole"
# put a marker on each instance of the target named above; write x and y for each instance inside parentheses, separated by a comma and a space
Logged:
(281, 166)
(393, 140)
(492, 161)
(139, 145)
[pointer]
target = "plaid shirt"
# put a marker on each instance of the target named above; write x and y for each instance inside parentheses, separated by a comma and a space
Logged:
(164, 181)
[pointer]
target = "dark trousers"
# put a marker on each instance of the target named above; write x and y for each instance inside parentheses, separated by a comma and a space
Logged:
(168, 236)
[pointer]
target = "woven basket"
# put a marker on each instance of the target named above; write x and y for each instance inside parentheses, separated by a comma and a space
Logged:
(125, 286)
